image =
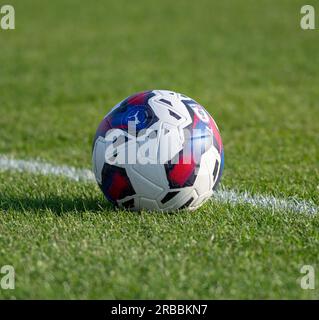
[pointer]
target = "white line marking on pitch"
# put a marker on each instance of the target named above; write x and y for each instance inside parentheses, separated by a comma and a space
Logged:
(224, 196)
(39, 167)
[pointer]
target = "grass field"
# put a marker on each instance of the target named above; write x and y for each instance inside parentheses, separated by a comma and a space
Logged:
(248, 62)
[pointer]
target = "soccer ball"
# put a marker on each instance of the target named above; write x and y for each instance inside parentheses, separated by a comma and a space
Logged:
(158, 150)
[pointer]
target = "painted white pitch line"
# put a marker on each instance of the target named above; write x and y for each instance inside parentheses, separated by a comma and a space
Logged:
(266, 201)
(223, 196)
(39, 167)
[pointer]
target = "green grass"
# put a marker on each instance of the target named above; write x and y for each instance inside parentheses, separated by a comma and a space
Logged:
(248, 63)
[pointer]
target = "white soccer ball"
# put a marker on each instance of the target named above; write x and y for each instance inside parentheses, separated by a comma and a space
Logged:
(158, 150)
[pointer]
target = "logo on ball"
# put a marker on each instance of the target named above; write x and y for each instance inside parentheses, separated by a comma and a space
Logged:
(137, 115)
